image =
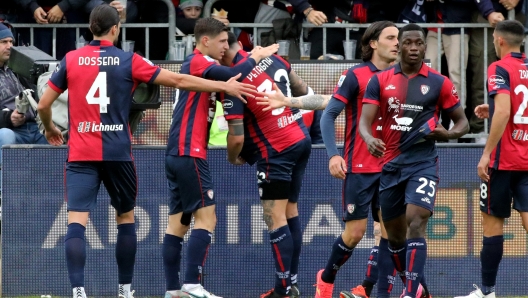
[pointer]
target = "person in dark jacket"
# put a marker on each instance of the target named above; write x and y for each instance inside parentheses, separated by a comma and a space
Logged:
(51, 12)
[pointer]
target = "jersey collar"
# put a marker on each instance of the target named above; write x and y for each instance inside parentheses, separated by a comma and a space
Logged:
(371, 66)
(424, 70)
(515, 55)
(241, 54)
(101, 43)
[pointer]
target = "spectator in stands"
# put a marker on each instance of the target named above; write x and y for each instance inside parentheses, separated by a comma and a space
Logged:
(450, 11)
(492, 12)
(382, 10)
(336, 11)
(52, 12)
(131, 8)
(189, 11)
(15, 128)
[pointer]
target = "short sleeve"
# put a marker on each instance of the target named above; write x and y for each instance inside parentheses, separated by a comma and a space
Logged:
(143, 70)
(58, 80)
(372, 94)
(347, 87)
(233, 107)
(448, 100)
(498, 80)
(200, 64)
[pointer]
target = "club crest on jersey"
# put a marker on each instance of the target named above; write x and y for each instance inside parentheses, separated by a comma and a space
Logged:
(210, 194)
(351, 208)
(424, 89)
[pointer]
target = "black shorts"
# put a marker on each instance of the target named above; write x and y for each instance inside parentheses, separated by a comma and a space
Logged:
(83, 180)
(497, 194)
(190, 184)
(360, 191)
(280, 175)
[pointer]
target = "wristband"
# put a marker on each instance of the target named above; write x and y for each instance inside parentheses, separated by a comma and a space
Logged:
(309, 10)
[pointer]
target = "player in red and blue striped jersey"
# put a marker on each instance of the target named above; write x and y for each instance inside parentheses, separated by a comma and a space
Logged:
(502, 167)
(101, 80)
(187, 171)
(409, 96)
(279, 143)
(359, 169)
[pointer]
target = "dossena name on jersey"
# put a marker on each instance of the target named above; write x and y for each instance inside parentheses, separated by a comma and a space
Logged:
(98, 61)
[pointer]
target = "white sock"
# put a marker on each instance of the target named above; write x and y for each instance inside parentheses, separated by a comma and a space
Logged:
(125, 287)
(191, 286)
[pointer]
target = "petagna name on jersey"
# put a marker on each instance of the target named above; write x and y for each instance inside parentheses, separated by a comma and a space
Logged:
(259, 68)
(98, 61)
(88, 126)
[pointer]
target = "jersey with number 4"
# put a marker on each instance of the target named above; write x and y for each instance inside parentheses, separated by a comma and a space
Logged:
(510, 76)
(101, 80)
(277, 129)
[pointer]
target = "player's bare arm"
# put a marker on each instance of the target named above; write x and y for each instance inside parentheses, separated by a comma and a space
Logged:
(460, 127)
(375, 146)
(297, 85)
(278, 100)
(192, 83)
(52, 133)
(235, 141)
(482, 111)
(501, 115)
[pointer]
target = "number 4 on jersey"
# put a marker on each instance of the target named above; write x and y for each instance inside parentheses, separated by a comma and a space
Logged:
(102, 100)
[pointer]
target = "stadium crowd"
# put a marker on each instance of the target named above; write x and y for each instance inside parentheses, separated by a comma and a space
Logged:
(400, 159)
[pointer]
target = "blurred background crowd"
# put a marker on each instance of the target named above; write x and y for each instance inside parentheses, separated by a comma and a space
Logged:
(461, 53)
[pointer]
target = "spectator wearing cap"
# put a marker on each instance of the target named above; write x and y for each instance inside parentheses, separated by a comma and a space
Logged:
(15, 128)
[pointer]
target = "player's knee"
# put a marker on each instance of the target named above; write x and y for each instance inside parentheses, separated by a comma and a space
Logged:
(416, 227)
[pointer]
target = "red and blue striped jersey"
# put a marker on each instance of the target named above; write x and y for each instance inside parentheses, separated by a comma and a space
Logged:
(510, 76)
(193, 113)
(410, 107)
(350, 90)
(277, 129)
(101, 80)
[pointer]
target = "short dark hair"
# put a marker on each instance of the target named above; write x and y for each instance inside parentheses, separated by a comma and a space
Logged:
(512, 31)
(410, 27)
(231, 39)
(102, 19)
(372, 33)
(208, 27)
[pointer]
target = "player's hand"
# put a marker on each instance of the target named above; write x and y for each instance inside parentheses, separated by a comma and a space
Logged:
(54, 136)
(273, 100)
(482, 167)
(509, 4)
(17, 119)
(237, 162)
(40, 16)
(494, 18)
(337, 167)
(117, 5)
(482, 111)
(238, 89)
(55, 14)
(376, 147)
(439, 133)
(317, 17)
(261, 53)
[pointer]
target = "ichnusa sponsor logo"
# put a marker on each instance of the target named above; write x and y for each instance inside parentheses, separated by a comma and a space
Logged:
(89, 126)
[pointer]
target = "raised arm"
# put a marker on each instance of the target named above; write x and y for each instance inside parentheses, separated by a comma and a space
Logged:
(277, 100)
(192, 83)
